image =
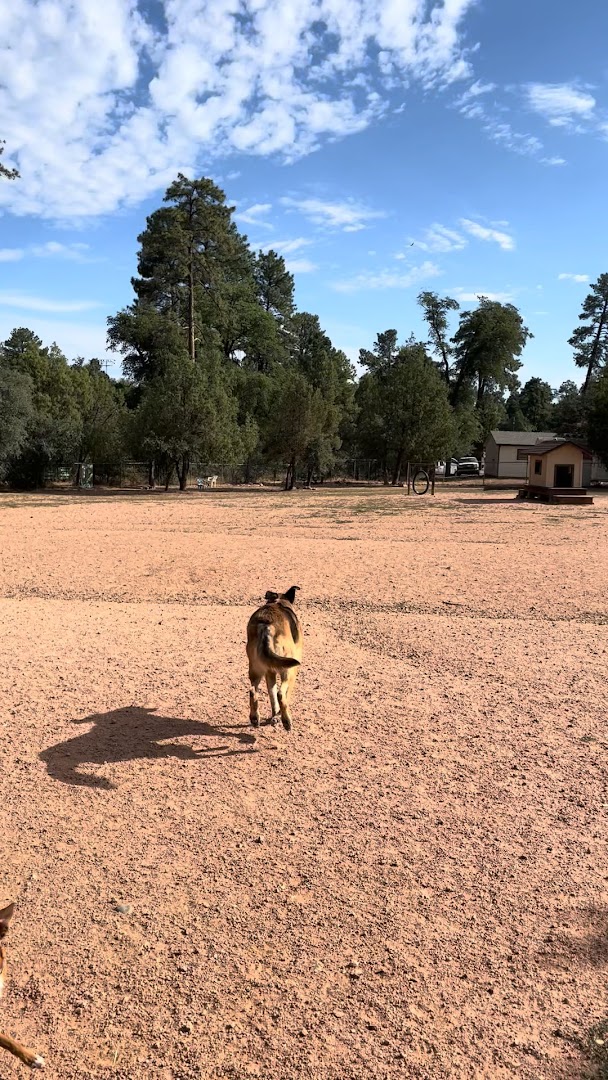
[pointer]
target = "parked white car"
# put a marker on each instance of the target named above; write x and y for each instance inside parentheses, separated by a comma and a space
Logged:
(467, 466)
(448, 468)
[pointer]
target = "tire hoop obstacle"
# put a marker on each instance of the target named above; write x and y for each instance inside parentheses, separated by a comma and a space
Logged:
(421, 482)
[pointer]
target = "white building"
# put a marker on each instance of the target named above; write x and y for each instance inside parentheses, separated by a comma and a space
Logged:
(501, 457)
(594, 472)
(505, 456)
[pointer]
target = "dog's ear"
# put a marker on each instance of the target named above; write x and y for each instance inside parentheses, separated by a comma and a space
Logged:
(6, 915)
(271, 596)
(290, 595)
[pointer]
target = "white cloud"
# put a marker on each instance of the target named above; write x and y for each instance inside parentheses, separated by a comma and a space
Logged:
(11, 254)
(300, 266)
(477, 89)
(254, 213)
(471, 296)
(286, 247)
(388, 279)
(518, 142)
(439, 238)
(580, 278)
(500, 131)
(349, 216)
(53, 249)
(562, 104)
(23, 302)
(482, 232)
(473, 111)
(137, 99)
(468, 103)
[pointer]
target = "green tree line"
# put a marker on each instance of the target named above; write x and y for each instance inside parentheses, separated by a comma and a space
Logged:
(219, 365)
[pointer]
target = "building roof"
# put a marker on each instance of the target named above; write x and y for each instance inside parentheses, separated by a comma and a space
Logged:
(542, 448)
(521, 438)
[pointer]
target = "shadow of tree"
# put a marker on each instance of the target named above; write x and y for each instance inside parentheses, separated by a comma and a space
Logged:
(585, 943)
(132, 733)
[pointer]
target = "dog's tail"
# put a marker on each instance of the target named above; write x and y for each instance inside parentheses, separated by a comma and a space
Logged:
(270, 656)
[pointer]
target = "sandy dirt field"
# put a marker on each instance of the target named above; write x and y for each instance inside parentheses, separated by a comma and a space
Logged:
(414, 883)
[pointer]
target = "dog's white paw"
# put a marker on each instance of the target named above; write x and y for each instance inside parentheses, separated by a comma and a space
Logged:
(38, 1062)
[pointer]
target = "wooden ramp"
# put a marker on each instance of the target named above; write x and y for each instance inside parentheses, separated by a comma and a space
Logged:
(563, 496)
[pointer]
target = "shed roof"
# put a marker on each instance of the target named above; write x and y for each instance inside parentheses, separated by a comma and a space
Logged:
(542, 448)
(521, 438)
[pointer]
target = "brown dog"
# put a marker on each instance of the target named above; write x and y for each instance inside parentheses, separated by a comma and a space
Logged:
(28, 1057)
(274, 650)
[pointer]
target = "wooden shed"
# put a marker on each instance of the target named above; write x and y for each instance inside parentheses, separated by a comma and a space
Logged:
(501, 452)
(555, 472)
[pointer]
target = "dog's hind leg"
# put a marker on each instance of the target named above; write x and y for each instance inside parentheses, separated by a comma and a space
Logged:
(273, 693)
(254, 712)
(287, 681)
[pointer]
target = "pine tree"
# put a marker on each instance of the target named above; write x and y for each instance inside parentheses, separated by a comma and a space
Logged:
(54, 421)
(536, 403)
(435, 313)
(383, 354)
(597, 403)
(8, 174)
(297, 421)
(274, 285)
(487, 346)
(193, 264)
(590, 341)
(405, 408)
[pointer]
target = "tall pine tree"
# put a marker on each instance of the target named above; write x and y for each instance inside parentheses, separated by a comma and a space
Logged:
(590, 341)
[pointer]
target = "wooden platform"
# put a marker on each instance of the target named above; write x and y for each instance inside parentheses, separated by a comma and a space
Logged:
(563, 496)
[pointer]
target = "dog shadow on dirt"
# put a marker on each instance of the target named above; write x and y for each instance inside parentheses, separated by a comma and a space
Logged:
(132, 733)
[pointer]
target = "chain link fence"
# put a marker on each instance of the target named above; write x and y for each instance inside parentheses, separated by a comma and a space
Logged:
(138, 475)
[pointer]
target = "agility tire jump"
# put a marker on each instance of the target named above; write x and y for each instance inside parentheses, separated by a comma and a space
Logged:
(421, 482)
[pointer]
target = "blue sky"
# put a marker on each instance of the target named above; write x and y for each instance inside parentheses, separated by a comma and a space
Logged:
(382, 146)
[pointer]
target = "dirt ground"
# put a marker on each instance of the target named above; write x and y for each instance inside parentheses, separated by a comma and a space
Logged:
(413, 883)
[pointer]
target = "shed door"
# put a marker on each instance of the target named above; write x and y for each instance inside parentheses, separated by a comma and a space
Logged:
(564, 476)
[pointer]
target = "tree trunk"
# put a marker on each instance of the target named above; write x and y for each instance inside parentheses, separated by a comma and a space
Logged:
(170, 468)
(397, 469)
(78, 474)
(455, 388)
(290, 476)
(191, 340)
(182, 474)
(446, 366)
(151, 474)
